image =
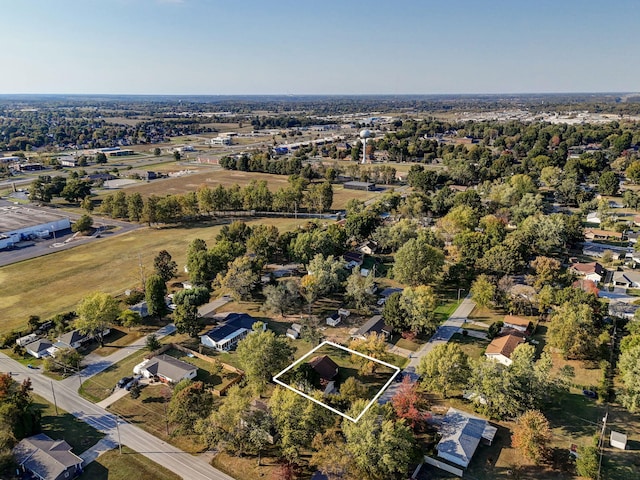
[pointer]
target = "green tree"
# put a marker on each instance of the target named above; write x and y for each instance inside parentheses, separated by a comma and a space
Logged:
(156, 151)
(152, 343)
(87, 204)
(608, 184)
(96, 312)
(531, 435)
(373, 345)
(198, 262)
(417, 262)
(359, 289)
(587, 464)
(195, 296)
(281, 298)
(261, 355)
(129, 319)
(241, 278)
(189, 403)
(394, 313)
(164, 266)
(629, 367)
(101, 158)
(83, 224)
(75, 190)
(444, 368)
(370, 440)
(420, 304)
(155, 292)
(187, 319)
(633, 171)
(135, 207)
(328, 273)
(573, 332)
(483, 291)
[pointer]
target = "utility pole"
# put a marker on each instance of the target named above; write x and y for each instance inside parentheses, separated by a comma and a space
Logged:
(601, 442)
(55, 404)
(118, 430)
(142, 279)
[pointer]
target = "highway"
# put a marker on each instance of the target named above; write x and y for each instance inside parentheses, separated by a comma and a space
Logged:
(183, 464)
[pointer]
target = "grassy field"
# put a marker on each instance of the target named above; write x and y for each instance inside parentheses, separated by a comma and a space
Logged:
(65, 426)
(113, 466)
(148, 413)
(473, 347)
(60, 280)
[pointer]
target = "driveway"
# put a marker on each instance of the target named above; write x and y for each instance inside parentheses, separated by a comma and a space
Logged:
(181, 463)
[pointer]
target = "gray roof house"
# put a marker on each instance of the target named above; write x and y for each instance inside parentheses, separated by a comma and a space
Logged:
(39, 348)
(46, 458)
(226, 336)
(167, 368)
(461, 434)
(374, 324)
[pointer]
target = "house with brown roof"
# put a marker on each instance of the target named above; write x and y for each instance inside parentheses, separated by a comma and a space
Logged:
(597, 234)
(326, 368)
(516, 323)
(590, 271)
(501, 348)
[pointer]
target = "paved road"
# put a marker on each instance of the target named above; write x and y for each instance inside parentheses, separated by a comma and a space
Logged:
(67, 398)
(443, 335)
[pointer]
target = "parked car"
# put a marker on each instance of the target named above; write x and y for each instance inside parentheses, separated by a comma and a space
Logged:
(134, 381)
(124, 381)
(589, 393)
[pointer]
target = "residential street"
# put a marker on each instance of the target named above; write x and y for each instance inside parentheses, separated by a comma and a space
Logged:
(67, 398)
(442, 335)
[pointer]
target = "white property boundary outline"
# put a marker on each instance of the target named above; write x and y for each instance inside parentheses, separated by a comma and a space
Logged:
(309, 397)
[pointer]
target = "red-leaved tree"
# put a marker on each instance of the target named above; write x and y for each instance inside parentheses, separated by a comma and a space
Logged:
(407, 401)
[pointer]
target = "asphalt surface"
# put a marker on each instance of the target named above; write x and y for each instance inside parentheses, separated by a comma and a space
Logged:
(181, 463)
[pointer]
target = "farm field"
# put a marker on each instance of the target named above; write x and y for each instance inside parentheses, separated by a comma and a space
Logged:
(55, 283)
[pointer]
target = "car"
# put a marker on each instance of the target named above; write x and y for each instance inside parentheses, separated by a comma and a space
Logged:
(32, 366)
(134, 381)
(124, 381)
(589, 393)
(398, 378)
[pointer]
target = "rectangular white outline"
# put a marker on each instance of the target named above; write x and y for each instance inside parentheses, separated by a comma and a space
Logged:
(327, 342)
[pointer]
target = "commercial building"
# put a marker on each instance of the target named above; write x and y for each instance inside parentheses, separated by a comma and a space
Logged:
(21, 223)
(360, 186)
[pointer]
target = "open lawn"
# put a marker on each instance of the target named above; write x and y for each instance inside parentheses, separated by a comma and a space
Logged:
(64, 426)
(129, 465)
(148, 413)
(473, 347)
(486, 315)
(247, 467)
(60, 280)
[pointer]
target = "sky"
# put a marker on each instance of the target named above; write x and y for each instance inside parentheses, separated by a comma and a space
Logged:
(298, 47)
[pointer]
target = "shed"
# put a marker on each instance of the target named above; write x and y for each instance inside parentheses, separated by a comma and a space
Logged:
(618, 440)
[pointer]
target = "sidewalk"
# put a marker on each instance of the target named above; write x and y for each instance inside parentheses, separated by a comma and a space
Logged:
(104, 445)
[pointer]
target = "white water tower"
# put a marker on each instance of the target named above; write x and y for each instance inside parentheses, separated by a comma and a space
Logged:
(364, 134)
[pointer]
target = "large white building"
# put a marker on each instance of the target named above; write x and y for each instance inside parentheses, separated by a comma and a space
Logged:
(19, 223)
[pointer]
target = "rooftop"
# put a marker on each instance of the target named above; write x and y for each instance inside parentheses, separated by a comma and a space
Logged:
(504, 345)
(15, 217)
(47, 457)
(169, 367)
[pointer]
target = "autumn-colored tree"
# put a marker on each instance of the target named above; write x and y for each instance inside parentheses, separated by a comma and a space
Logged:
(547, 270)
(374, 345)
(483, 291)
(407, 401)
(531, 435)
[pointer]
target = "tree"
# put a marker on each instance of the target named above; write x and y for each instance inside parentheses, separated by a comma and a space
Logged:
(633, 171)
(359, 289)
(420, 303)
(374, 345)
(629, 366)
(87, 204)
(531, 435)
(261, 355)
(101, 157)
(75, 190)
(135, 207)
(407, 403)
(129, 319)
(608, 184)
(176, 156)
(83, 224)
(328, 273)
(154, 294)
(319, 197)
(500, 260)
(587, 464)
(195, 296)
(241, 278)
(156, 151)
(152, 344)
(547, 270)
(572, 330)
(198, 262)
(164, 266)
(444, 368)
(483, 291)
(352, 389)
(281, 297)
(417, 262)
(190, 402)
(372, 438)
(187, 319)
(96, 312)
(329, 456)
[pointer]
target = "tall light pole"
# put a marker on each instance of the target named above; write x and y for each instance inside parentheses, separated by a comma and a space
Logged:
(460, 290)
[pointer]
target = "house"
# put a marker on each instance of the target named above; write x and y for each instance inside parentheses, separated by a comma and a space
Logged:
(226, 336)
(141, 308)
(168, 369)
(590, 271)
(39, 348)
(387, 292)
(326, 368)
(46, 458)
(597, 234)
(517, 323)
(501, 348)
(632, 236)
(623, 310)
(374, 324)
(594, 217)
(353, 259)
(27, 339)
(368, 248)
(461, 434)
(75, 339)
(627, 279)
(294, 332)
(343, 312)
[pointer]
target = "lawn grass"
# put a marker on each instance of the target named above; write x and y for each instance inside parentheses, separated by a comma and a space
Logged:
(445, 309)
(205, 370)
(473, 347)
(118, 337)
(113, 466)
(408, 344)
(148, 413)
(247, 467)
(486, 315)
(110, 265)
(64, 426)
(100, 386)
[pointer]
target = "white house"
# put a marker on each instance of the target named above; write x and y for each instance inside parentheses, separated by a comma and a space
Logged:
(226, 336)
(368, 247)
(594, 217)
(168, 369)
(334, 320)
(461, 434)
(27, 339)
(590, 271)
(39, 348)
(626, 279)
(501, 348)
